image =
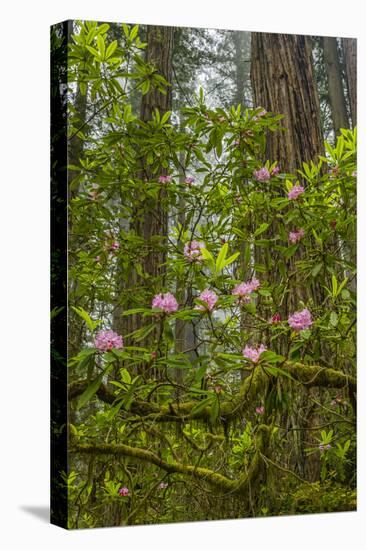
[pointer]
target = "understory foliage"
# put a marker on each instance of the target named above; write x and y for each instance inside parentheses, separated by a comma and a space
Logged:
(220, 384)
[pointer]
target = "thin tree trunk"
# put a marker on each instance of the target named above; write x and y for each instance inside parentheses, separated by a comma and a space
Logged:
(335, 85)
(159, 54)
(239, 45)
(349, 47)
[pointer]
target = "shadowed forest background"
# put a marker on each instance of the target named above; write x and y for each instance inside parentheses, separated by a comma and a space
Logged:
(211, 273)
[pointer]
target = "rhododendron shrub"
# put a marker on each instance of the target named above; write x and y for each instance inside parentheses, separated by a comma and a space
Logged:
(226, 340)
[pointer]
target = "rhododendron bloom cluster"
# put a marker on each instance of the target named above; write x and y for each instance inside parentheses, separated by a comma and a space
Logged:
(295, 192)
(192, 251)
(163, 485)
(165, 302)
(261, 113)
(296, 236)
(259, 410)
(276, 318)
(323, 448)
(165, 179)
(114, 246)
(262, 174)
(189, 180)
(244, 290)
(275, 171)
(209, 298)
(107, 340)
(254, 353)
(300, 320)
(123, 491)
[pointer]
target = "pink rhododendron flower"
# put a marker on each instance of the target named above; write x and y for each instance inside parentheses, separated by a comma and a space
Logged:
(114, 246)
(262, 174)
(295, 192)
(300, 320)
(107, 339)
(254, 353)
(296, 236)
(275, 171)
(123, 491)
(165, 302)
(243, 290)
(323, 448)
(192, 251)
(260, 114)
(259, 410)
(276, 318)
(189, 180)
(165, 179)
(163, 485)
(210, 299)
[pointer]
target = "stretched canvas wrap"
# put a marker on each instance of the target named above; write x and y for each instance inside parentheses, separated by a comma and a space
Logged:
(203, 274)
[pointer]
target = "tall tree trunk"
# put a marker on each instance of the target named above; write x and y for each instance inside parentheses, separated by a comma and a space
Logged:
(159, 54)
(151, 222)
(349, 48)
(239, 45)
(335, 84)
(283, 82)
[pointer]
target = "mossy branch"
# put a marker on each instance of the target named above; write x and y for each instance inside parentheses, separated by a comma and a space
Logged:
(252, 385)
(219, 481)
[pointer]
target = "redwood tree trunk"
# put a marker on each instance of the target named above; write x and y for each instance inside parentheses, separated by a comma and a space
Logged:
(159, 54)
(349, 47)
(335, 84)
(283, 82)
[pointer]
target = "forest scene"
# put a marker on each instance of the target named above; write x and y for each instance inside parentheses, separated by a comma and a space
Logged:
(211, 179)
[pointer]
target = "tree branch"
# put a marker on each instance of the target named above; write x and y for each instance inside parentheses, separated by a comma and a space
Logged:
(221, 482)
(307, 375)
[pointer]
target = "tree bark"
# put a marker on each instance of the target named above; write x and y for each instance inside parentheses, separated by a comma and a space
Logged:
(349, 47)
(283, 82)
(239, 45)
(159, 54)
(335, 85)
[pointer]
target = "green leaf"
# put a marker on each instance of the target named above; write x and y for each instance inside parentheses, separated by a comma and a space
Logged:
(275, 371)
(90, 391)
(134, 32)
(101, 46)
(271, 357)
(261, 229)
(111, 49)
(231, 259)
(316, 269)
(215, 410)
(333, 319)
(84, 315)
(208, 257)
(94, 52)
(201, 405)
(220, 260)
(342, 285)
(334, 286)
(125, 376)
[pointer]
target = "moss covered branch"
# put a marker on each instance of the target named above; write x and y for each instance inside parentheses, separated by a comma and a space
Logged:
(252, 385)
(219, 481)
